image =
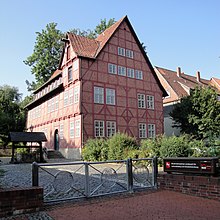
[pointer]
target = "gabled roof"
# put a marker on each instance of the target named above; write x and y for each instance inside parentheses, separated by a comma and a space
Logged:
(91, 48)
(180, 84)
(27, 136)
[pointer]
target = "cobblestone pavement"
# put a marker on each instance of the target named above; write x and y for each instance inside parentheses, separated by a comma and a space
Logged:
(163, 205)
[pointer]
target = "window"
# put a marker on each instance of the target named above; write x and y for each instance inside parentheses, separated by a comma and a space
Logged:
(111, 128)
(71, 96)
(150, 102)
(77, 128)
(98, 95)
(139, 74)
(61, 131)
(99, 128)
(121, 51)
(76, 94)
(130, 73)
(112, 68)
(70, 74)
(130, 54)
(71, 129)
(151, 131)
(75, 65)
(52, 105)
(121, 71)
(142, 130)
(68, 53)
(48, 106)
(66, 94)
(110, 96)
(141, 101)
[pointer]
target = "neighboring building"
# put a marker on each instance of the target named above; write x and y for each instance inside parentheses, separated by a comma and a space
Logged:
(177, 85)
(102, 86)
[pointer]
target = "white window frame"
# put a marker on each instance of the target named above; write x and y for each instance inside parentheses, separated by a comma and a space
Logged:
(121, 71)
(141, 100)
(110, 128)
(98, 95)
(130, 53)
(130, 72)
(121, 51)
(112, 68)
(77, 128)
(110, 96)
(72, 129)
(150, 102)
(61, 131)
(99, 128)
(57, 102)
(142, 130)
(65, 98)
(70, 96)
(76, 94)
(138, 74)
(151, 130)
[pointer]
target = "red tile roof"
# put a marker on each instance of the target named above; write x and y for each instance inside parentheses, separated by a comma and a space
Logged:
(182, 84)
(90, 48)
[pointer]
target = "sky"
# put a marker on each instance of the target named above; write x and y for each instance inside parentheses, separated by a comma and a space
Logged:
(176, 33)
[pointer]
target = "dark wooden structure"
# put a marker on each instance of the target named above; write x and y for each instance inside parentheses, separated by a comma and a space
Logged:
(27, 137)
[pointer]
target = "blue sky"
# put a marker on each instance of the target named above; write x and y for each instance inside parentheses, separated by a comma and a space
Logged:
(175, 32)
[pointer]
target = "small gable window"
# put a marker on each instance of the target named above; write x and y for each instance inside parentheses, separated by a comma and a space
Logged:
(130, 54)
(68, 53)
(70, 74)
(121, 51)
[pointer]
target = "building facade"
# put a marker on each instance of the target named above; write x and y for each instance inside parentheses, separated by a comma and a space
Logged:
(102, 86)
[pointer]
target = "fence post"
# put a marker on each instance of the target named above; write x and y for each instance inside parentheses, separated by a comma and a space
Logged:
(35, 177)
(86, 179)
(130, 174)
(155, 172)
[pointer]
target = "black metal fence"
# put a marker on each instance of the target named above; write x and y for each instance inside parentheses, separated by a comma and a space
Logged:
(64, 181)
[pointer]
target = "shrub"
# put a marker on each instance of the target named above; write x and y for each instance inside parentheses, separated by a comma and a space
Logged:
(95, 150)
(119, 146)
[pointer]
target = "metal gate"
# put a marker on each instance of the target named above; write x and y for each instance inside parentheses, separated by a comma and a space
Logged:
(65, 181)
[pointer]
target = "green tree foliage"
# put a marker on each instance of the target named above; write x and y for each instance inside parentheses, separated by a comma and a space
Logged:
(45, 58)
(48, 49)
(12, 116)
(199, 113)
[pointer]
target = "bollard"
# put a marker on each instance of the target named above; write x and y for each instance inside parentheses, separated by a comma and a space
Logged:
(35, 180)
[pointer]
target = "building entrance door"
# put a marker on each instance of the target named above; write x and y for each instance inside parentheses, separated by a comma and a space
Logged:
(56, 140)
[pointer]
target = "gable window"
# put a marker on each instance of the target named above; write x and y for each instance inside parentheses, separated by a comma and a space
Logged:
(70, 74)
(130, 73)
(139, 74)
(99, 95)
(68, 53)
(141, 101)
(65, 100)
(121, 51)
(77, 128)
(130, 54)
(76, 94)
(99, 128)
(71, 129)
(110, 96)
(151, 131)
(142, 130)
(112, 68)
(61, 131)
(111, 128)
(121, 71)
(150, 102)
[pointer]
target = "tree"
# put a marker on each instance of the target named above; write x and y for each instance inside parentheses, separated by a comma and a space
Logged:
(12, 116)
(48, 48)
(199, 113)
(45, 58)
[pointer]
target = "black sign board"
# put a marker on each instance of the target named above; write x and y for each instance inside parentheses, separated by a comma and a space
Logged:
(207, 165)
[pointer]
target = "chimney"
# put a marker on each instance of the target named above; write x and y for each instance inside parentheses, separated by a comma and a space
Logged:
(178, 71)
(198, 76)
